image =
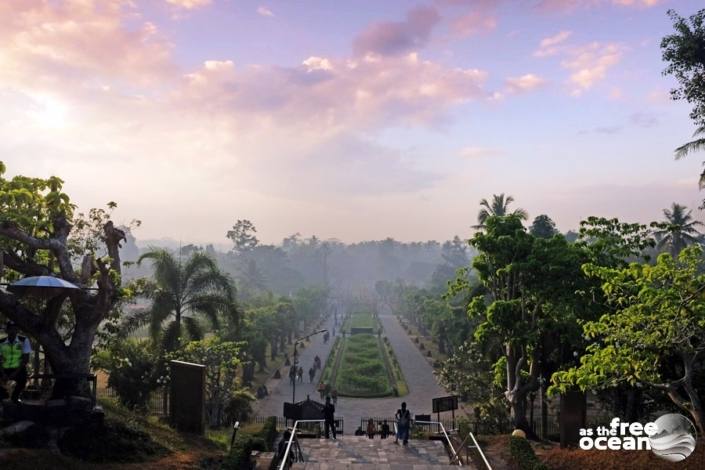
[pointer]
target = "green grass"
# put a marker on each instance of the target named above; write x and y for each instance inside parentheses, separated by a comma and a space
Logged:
(362, 370)
(363, 320)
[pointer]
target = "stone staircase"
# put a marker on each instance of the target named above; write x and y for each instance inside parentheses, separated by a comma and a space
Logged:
(359, 452)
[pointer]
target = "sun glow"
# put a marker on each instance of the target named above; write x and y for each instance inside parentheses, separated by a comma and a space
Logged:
(49, 112)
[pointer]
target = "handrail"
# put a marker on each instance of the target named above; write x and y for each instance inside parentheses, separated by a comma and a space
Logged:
(282, 466)
(450, 444)
(479, 449)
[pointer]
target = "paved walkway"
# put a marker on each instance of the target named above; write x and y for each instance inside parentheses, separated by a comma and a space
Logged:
(417, 372)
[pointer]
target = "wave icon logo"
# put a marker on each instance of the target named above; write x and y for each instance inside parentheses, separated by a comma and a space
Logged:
(674, 439)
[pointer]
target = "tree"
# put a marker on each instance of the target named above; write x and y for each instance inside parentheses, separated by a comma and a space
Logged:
(543, 227)
(41, 235)
(498, 207)
(183, 290)
(678, 230)
(684, 52)
(531, 285)
(654, 337)
(243, 236)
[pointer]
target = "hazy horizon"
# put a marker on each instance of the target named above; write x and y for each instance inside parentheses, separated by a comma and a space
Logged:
(355, 121)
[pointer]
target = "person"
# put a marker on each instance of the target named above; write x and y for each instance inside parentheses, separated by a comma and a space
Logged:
(359, 431)
(334, 395)
(403, 419)
(311, 374)
(329, 418)
(317, 362)
(292, 374)
(370, 428)
(322, 390)
(14, 354)
(385, 430)
(301, 375)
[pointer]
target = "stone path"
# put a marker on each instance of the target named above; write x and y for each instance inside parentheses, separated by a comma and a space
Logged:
(361, 452)
(417, 372)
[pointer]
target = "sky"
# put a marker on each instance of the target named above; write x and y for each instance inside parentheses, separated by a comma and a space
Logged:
(353, 120)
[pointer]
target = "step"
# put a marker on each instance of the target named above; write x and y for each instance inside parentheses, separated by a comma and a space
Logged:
(368, 466)
(352, 451)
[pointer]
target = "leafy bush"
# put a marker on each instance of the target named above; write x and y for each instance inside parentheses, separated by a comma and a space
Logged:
(114, 441)
(239, 456)
(132, 368)
(269, 432)
(523, 454)
(239, 407)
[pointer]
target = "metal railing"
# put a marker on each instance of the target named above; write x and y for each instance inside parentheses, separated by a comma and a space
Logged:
(474, 446)
(292, 437)
(454, 454)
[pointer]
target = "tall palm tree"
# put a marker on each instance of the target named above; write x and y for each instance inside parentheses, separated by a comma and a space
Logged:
(182, 291)
(498, 207)
(678, 230)
(694, 146)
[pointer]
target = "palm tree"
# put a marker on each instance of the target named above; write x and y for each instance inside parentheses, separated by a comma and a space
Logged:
(694, 146)
(678, 230)
(183, 291)
(498, 207)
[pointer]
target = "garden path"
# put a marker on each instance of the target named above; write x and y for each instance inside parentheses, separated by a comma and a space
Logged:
(418, 373)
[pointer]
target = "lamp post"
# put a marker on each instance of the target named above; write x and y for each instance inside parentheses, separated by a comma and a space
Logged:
(296, 359)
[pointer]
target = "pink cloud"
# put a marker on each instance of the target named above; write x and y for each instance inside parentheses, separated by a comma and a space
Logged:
(264, 11)
(571, 5)
(189, 4)
(398, 37)
(524, 83)
(551, 45)
(473, 22)
(589, 64)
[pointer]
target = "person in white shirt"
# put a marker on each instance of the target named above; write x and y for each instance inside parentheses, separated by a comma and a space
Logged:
(14, 355)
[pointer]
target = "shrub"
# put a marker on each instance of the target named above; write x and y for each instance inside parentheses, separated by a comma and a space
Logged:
(269, 432)
(113, 441)
(523, 454)
(132, 368)
(239, 456)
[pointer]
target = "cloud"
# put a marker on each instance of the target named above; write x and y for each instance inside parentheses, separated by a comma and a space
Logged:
(589, 64)
(572, 5)
(643, 119)
(551, 45)
(264, 11)
(327, 93)
(479, 152)
(189, 4)
(524, 83)
(398, 37)
(473, 22)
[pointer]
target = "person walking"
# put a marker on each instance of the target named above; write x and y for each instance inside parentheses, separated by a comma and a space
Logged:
(292, 375)
(14, 355)
(334, 395)
(370, 428)
(300, 375)
(329, 418)
(311, 374)
(403, 419)
(384, 432)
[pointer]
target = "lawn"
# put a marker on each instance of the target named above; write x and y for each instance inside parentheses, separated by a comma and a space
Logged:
(362, 369)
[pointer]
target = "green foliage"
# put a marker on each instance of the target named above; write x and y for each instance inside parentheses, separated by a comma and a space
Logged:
(239, 456)
(133, 370)
(678, 230)
(221, 359)
(659, 316)
(543, 227)
(684, 53)
(183, 290)
(115, 441)
(609, 242)
(362, 370)
(243, 236)
(499, 207)
(523, 454)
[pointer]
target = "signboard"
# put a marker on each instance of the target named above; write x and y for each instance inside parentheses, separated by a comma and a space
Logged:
(445, 404)
(188, 396)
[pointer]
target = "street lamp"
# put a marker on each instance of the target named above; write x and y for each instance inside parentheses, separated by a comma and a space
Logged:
(296, 359)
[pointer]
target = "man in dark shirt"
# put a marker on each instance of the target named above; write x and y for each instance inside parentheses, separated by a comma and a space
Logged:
(329, 418)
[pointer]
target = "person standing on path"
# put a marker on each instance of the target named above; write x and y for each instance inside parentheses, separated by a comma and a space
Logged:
(329, 418)
(403, 419)
(311, 374)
